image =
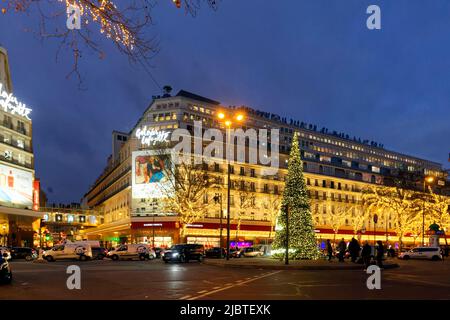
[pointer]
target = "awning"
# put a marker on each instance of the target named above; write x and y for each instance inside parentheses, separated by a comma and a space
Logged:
(21, 212)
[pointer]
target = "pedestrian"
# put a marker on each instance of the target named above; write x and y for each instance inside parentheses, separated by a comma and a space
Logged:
(329, 250)
(342, 246)
(354, 248)
(380, 253)
(365, 254)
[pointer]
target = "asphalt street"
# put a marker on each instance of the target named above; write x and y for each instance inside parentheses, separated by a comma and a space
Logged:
(194, 281)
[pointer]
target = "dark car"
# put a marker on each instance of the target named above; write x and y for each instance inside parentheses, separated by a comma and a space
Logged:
(99, 253)
(184, 253)
(23, 253)
(216, 252)
(5, 270)
(159, 252)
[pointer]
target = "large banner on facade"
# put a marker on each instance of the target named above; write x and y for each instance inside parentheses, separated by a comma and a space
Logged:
(150, 180)
(16, 187)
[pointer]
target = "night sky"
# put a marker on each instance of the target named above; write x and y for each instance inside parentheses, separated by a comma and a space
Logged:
(312, 60)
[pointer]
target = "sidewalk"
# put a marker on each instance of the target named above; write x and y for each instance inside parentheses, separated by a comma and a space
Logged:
(273, 264)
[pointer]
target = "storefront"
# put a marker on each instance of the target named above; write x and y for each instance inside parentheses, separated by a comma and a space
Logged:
(19, 227)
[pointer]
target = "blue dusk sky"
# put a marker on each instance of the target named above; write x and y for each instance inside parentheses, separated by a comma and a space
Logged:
(312, 60)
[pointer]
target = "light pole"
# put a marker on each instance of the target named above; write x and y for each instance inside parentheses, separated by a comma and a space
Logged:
(286, 258)
(239, 117)
(218, 199)
(425, 181)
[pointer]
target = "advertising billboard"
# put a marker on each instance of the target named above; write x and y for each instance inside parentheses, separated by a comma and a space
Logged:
(150, 180)
(16, 187)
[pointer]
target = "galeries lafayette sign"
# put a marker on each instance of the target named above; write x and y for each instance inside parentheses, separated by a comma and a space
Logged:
(151, 136)
(10, 104)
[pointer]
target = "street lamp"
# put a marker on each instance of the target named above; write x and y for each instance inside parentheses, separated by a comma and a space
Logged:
(218, 199)
(228, 121)
(428, 180)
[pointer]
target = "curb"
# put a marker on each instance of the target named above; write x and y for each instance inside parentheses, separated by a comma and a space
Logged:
(293, 267)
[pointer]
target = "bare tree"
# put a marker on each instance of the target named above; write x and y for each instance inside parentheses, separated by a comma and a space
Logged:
(246, 200)
(273, 205)
(185, 193)
(121, 22)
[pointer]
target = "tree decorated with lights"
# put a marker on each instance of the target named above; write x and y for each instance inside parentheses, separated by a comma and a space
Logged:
(81, 25)
(302, 238)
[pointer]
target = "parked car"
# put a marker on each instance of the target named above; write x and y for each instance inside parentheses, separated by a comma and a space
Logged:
(71, 250)
(23, 253)
(184, 253)
(216, 252)
(159, 252)
(432, 253)
(5, 269)
(3, 251)
(132, 251)
(253, 252)
(99, 253)
(236, 253)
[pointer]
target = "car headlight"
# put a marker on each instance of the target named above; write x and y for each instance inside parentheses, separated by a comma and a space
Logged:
(175, 254)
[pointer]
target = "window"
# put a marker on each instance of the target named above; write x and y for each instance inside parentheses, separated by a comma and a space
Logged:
(266, 187)
(275, 189)
(242, 171)
(252, 186)
(252, 173)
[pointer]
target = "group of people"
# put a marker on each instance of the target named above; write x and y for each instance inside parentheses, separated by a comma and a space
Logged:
(355, 251)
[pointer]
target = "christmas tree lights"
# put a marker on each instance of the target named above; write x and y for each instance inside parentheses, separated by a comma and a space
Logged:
(302, 238)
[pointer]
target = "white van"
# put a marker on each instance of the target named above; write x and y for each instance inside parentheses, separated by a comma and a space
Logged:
(130, 251)
(431, 253)
(80, 250)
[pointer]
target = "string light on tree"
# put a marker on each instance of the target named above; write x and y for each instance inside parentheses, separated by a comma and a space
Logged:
(177, 3)
(302, 238)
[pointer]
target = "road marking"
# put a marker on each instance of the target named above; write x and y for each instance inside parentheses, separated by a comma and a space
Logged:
(216, 288)
(185, 297)
(203, 291)
(230, 285)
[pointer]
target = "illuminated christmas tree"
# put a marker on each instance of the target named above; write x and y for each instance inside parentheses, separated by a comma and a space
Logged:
(302, 238)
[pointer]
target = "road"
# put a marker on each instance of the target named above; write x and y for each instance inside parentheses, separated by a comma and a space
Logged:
(193, 281)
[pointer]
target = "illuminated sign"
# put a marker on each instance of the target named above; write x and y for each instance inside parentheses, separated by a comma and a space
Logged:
(151, 136)
(189, 225)
(16, 187)
(10, 104)
(36, 188)
(152, 224)
(151, 181)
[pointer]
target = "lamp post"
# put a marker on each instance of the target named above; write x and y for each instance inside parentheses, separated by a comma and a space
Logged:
(218, 199)
(286, 257)
(227, 120)
(425, 181)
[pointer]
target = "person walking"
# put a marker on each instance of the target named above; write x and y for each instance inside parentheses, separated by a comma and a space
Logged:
(380, 253)
(342, 246)
(329, 250)
(365, 254)
(354, 249)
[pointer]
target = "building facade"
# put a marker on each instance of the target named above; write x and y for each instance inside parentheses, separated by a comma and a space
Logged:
(337, 168)
(17, 179)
